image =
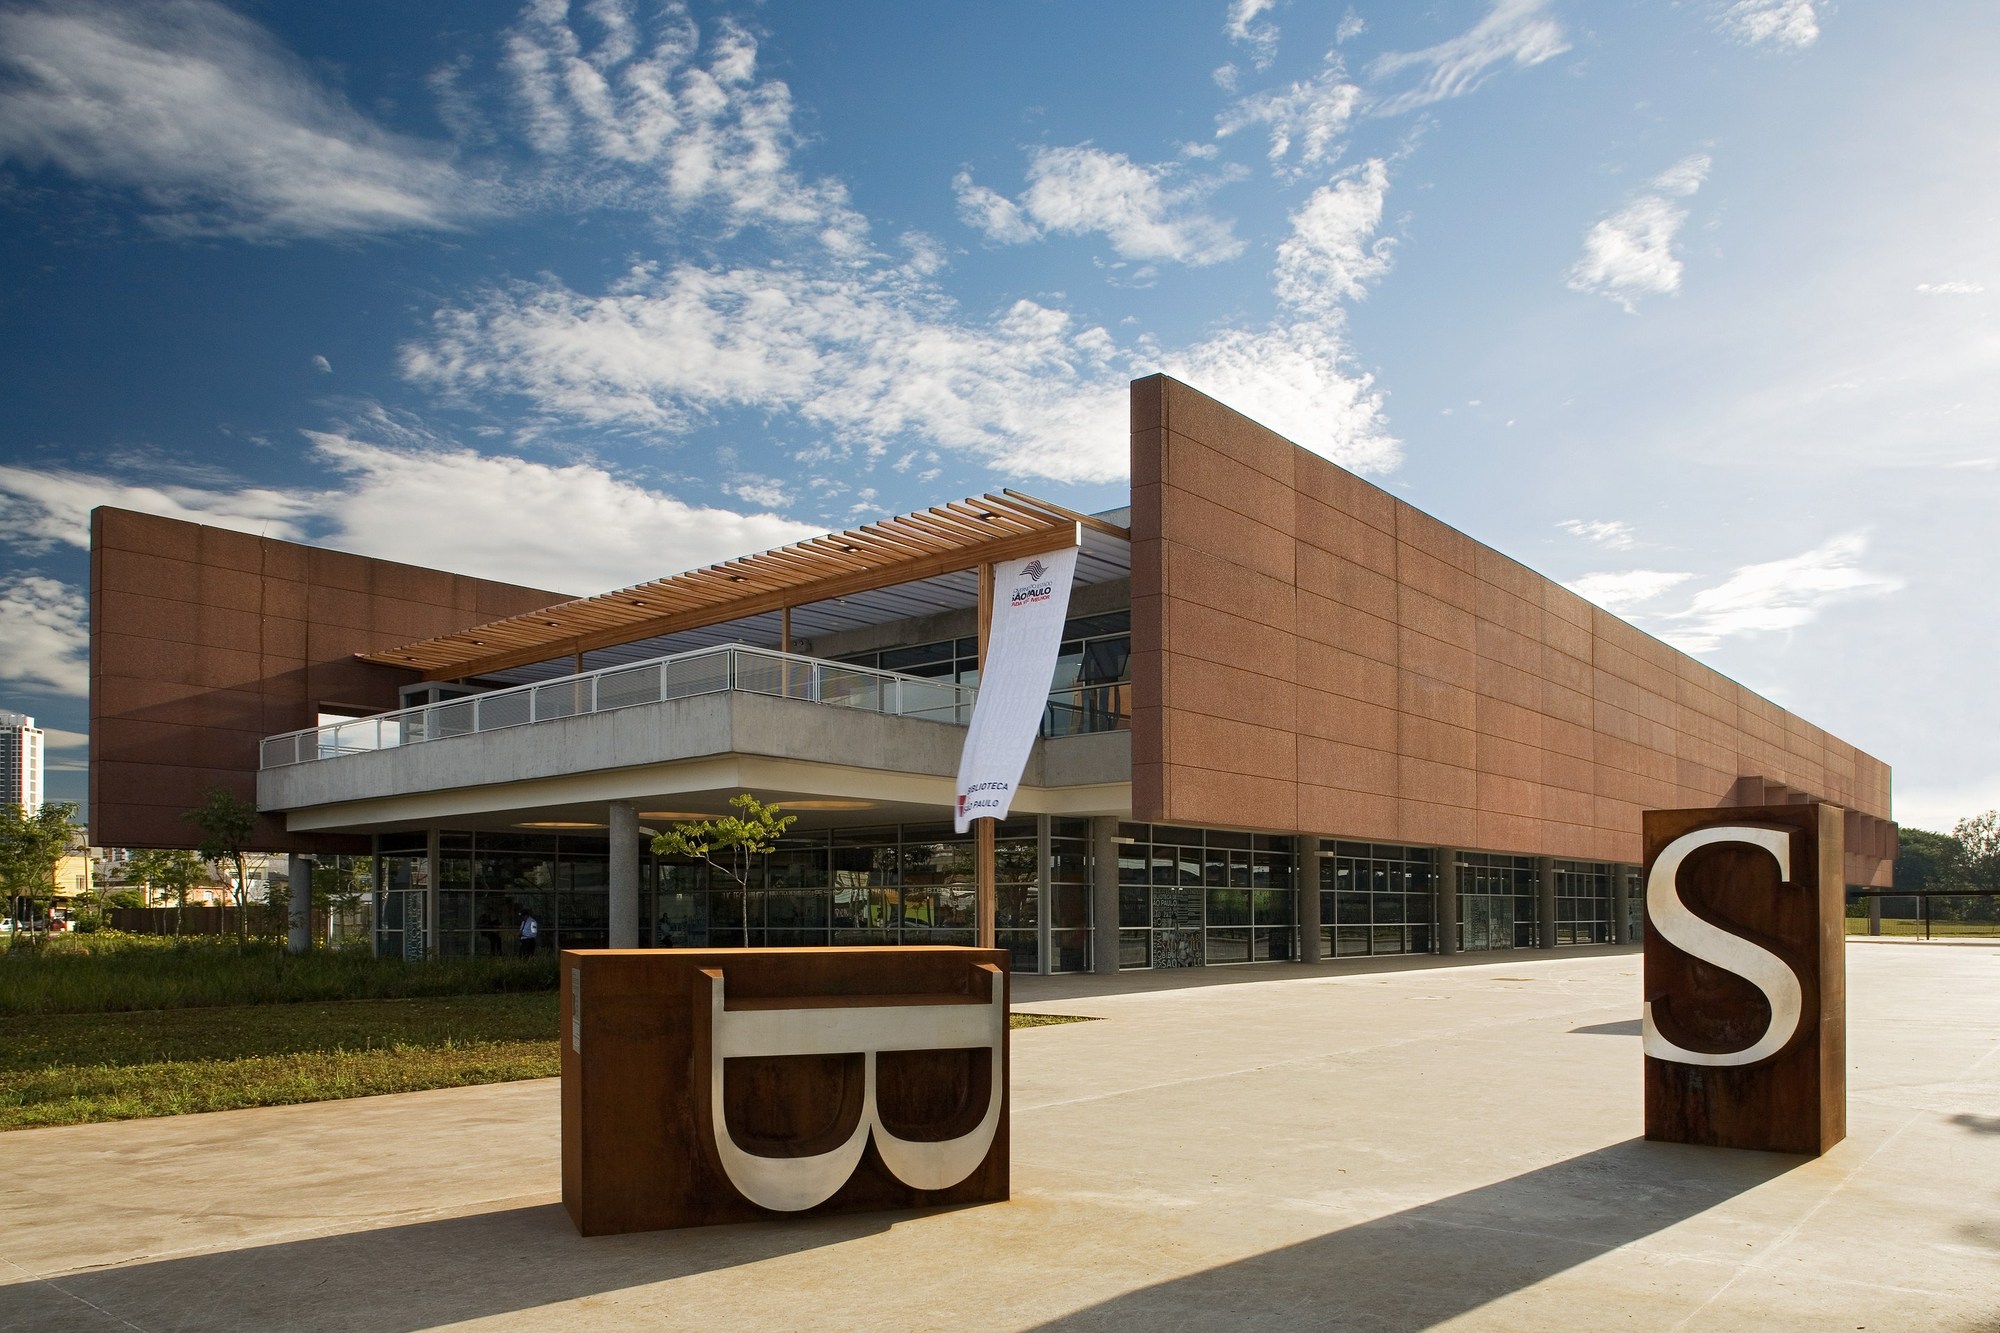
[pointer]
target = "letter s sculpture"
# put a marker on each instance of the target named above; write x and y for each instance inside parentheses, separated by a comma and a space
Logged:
(1712, 944)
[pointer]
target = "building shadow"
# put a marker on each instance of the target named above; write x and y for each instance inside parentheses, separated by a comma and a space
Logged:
(403, 1278)
(1624, 1027)
(1440, 1260)
(1031, 988)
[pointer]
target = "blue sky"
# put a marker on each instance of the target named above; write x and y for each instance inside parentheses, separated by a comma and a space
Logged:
(1687, 305)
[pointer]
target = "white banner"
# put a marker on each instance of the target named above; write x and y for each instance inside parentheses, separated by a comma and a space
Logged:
(1030, 603)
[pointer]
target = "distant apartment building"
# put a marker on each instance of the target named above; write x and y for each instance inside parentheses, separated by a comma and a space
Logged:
(20, 762)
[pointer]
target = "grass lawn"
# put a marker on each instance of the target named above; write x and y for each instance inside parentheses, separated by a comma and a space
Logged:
(71, 1069)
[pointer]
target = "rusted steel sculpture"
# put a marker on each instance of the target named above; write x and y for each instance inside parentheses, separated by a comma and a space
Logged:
(1745, 1022)
(710, 1086)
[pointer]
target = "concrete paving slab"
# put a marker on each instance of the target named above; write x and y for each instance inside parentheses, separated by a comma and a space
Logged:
(1258, 1148)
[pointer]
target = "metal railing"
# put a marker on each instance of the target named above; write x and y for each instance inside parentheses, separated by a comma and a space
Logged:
(682, 676)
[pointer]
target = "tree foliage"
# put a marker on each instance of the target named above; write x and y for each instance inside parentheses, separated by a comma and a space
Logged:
(737, 839)
(174, 873)
(227, 822)
(31, 845)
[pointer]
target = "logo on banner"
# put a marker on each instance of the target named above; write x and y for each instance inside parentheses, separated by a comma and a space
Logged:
(1034, 570)
(792, 1184)
(1693, 936)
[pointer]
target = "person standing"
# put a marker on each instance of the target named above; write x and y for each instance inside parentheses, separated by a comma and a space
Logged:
(531, 932)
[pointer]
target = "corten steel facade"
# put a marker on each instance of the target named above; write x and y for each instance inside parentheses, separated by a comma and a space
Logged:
(1325, 689)
(1311, 653)
(203, 641)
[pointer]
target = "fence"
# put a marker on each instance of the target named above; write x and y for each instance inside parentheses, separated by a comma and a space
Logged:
(204, 920)
(1925, 915)
(682, 676)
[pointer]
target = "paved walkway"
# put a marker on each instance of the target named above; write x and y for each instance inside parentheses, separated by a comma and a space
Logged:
(1265, 1148)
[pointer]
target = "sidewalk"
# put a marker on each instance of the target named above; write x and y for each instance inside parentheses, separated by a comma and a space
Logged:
(1444, 1146)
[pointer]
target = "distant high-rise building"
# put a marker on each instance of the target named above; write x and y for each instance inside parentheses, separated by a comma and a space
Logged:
(20, 762)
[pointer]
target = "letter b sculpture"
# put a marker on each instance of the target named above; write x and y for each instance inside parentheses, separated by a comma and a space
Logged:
(708, 1086)
(1744, 1017)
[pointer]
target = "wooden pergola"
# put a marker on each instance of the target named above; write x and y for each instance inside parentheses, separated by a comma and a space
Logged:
(965, 534)
(944, 539)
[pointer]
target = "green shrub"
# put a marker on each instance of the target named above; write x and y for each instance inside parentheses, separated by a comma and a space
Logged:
(108, 972)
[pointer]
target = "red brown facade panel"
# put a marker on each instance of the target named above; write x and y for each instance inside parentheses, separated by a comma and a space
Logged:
(204, 641)
(1311, 653)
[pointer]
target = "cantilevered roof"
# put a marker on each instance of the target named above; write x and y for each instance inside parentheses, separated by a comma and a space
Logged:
(907, 549)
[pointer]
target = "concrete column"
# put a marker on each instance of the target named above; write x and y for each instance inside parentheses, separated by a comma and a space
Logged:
(1545, 902)
(1874, 915)
(1444, 901)
(298, 934)
(624, 875)
(1621, 904)
(1103, 894)
(1308, 898)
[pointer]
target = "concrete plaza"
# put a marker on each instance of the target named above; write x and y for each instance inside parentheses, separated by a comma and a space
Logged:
(1267, 1147)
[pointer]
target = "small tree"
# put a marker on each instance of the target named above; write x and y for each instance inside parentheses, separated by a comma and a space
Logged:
(737, 838)
(341, 885)
(30, 848)
(226, 822)
(175, 873)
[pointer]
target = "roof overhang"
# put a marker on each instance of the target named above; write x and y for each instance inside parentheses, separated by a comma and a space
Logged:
(905, 549)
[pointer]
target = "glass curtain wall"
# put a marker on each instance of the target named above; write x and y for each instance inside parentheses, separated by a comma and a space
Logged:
(1069, 895)
(896, 884)
(1496, 901)
(1091, 690)
(1375, 898)
(1188, 897)
(402, 886)
(1584, 906)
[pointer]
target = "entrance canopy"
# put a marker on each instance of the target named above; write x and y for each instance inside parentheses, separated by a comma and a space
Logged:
(910, 548)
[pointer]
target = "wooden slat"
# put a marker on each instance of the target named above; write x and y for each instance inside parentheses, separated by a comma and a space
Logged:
(750, 603)
(879, 554)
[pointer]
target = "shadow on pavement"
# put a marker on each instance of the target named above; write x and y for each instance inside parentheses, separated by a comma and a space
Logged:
(1625, 1027)
(1431, 1263)
(399, 1279)
(1029, 988)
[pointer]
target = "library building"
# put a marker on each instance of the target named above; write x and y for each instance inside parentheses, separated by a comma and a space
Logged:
(1291, 718)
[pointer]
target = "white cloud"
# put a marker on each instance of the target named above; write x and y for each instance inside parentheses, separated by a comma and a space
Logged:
(1519, 31)
(1955, 287)
(41, 508)
(1243, 26)
(1621, 592)
(638, 117)
(992, 213)
(1786, 22)
(1078, 190)
(322, 365)
(215, 127)
(1631, 253)
(1352, 25)
(1329, 257)
(44, 635)
(404, 494)
(55, 738)
(870, 355)
(453, 508)
(1309, 115)
(1612, 534)
(1776, 595)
